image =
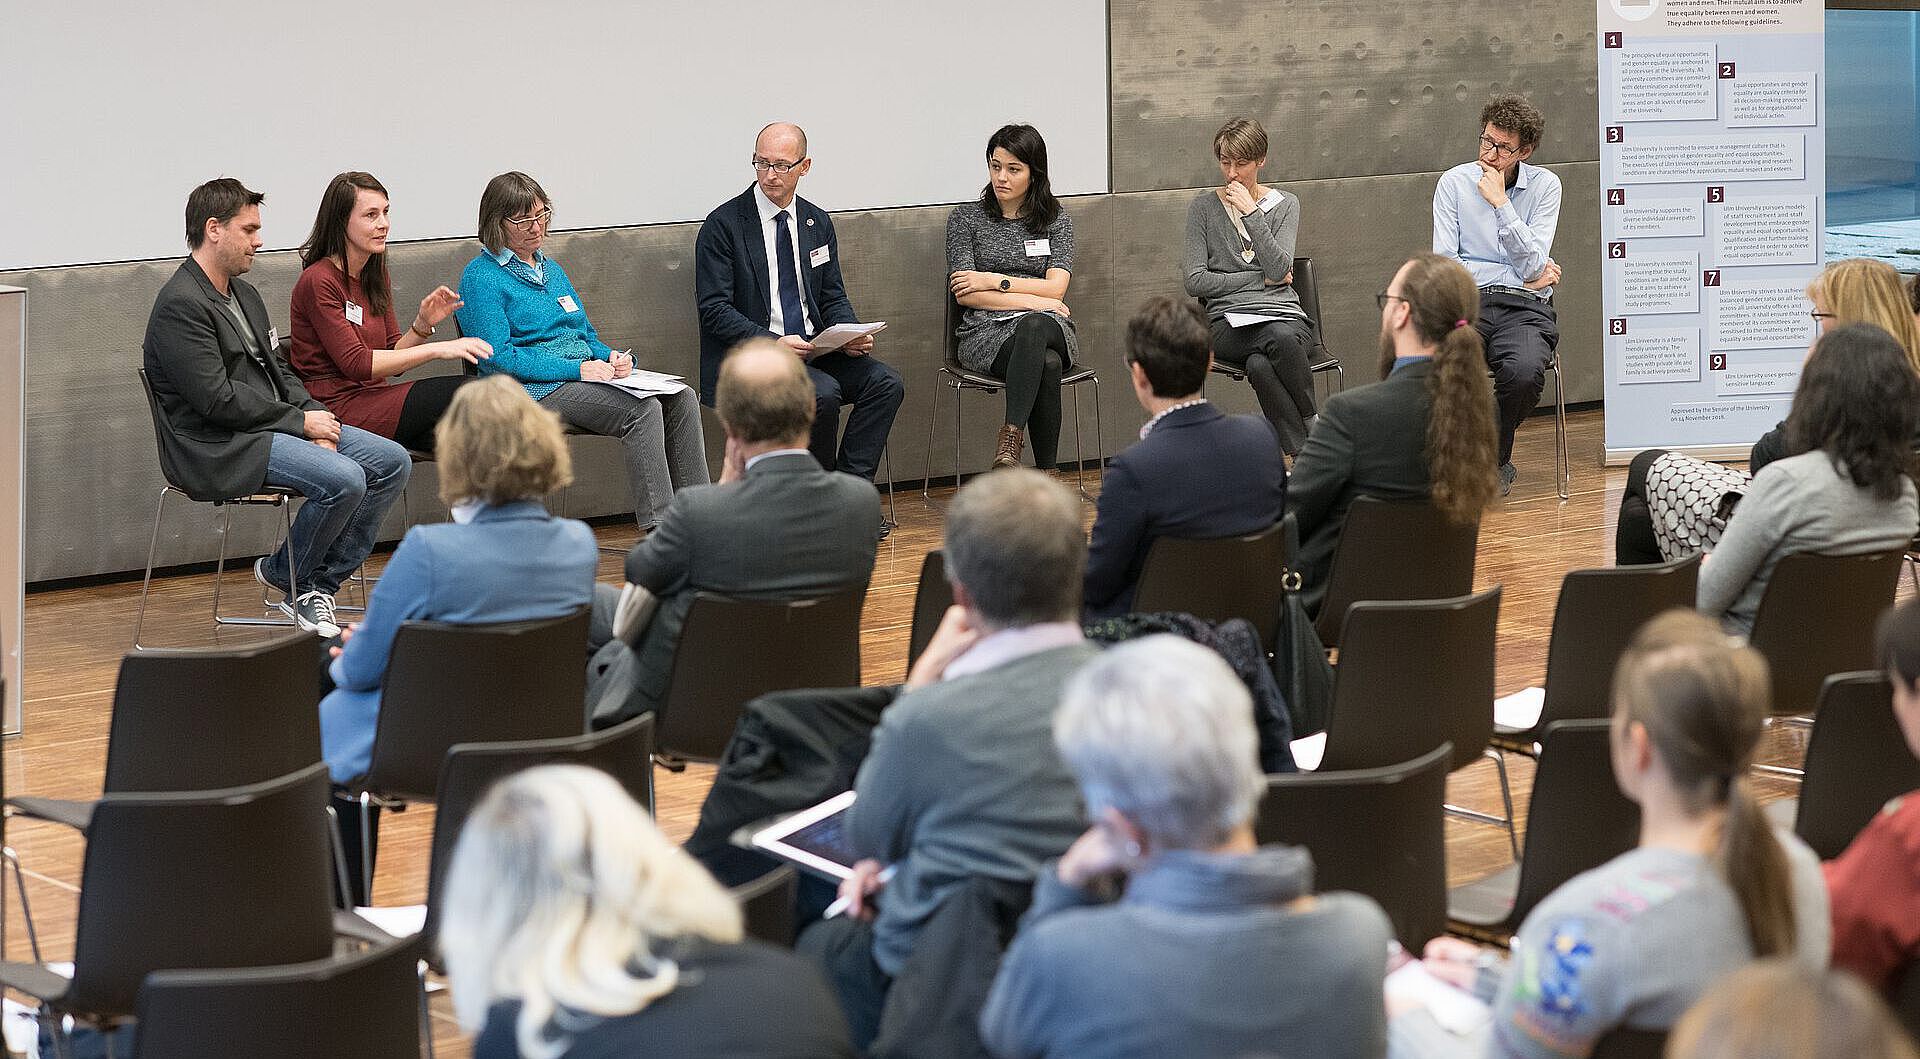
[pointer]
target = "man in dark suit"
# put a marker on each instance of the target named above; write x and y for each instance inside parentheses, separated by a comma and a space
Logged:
(1196, 472)
(240, 420)
(775, 526)
(766, 264)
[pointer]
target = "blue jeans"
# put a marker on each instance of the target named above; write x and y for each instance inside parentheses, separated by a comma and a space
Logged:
(347, 494)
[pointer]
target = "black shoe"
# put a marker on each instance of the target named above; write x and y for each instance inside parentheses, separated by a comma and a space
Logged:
(1507, 474)
(886, 528)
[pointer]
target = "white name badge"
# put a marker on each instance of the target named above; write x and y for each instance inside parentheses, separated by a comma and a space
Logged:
(1039, 247)
(568, 304)
(1269, 200)
(818, 256)
(273, 338)
(355, 315)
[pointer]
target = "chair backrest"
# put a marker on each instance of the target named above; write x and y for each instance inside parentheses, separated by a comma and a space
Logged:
(1308, 290)
(1378, 832)
(767, 903)
(1577, 819)
(196, 719)
(1414, 674)
(930, 602)
(732, 651)
(1906, 999)
(1857, 759)
(624, 752)
(1217, 580)
(1598, 613)
(163, 434)
(1625, 1042)
(238, 877)
(1395, 549)
(1816, 619)
(953, 331)
(365, 1005)
(494, 683)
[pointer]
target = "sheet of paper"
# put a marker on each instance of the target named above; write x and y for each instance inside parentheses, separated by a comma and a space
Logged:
(1249, 319)
(644, 383)
(1308, 750)
(1456, 1010)
(840, 334)
(1658, 354)
(1520, 709)
(401, 921)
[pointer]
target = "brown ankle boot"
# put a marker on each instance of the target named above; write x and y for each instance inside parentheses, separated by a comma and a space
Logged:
(1010, 446)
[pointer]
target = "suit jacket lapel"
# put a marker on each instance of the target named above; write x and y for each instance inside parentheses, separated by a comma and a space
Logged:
(803, 212)
(756, 240)
(262, 331)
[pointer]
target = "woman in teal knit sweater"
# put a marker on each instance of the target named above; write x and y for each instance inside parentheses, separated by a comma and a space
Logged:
(521, 303)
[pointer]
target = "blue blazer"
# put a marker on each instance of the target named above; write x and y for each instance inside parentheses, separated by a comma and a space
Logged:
(730, 279)
(1200, 474)
(513, 562)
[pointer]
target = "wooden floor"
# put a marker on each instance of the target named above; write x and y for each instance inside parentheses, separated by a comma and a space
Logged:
(75, 638)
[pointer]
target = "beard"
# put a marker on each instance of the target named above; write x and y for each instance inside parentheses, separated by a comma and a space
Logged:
(1386, 351)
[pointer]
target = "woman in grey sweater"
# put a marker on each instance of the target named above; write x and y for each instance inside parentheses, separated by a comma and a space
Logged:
(1218, 947)
(1239, 263)
(1010, 256)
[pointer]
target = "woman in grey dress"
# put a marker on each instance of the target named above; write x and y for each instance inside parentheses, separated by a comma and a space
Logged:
(1011, 257)
(1239, 263)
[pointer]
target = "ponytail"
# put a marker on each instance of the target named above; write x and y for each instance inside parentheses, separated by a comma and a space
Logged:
(1756, 867)
(1462, 438)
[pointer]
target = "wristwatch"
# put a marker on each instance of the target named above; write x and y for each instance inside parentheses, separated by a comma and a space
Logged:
(1005, 283)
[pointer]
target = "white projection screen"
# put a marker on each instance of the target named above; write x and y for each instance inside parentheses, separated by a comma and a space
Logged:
(627, 113)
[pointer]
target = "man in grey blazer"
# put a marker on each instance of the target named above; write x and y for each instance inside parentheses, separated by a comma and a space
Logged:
(775, 526)
(239, 420)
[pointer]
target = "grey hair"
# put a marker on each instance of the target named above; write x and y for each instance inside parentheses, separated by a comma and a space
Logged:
(1015, 543)
(1161, 730)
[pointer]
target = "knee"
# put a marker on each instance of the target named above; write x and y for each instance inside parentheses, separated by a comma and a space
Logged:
(826, 404)
(888, 388)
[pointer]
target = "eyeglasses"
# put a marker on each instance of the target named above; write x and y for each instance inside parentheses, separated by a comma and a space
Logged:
(761, 165)
(1817, 315)
(1500, 150)
(524, 223)
(1383, 297)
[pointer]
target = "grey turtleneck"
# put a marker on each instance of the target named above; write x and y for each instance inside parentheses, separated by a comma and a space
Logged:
(1202, 956)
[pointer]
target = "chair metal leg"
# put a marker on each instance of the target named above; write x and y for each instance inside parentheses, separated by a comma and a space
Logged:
(957, 391)
(339, 849)
(1506, 796)
(1099, 438)
(26, 911)
(426, 1013)
(366, 844)
(1913, 571)
(933, 414)
(146, 582)
(56, 1027)
(886, 460)
(1079, 449)
(220, 566)
(1562, 459)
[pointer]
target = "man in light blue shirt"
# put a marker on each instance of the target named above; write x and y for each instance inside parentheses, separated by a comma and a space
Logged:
(1496, 216)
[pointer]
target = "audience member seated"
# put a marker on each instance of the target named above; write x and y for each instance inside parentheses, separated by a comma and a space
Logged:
(1165, 930)
(777, 526)
(1497, 216)
(1678, 504)
(241, 421)
(1010, 258)
(347, 342)
(1196, 471)
(1711, 887)
(767, 265)
(963, 780)
(521, 303)
(1780, 1009)
(1875, 884)
(1239, 260)
(573, 927)
(1425, 431)
(1845, 491)
(502, 558)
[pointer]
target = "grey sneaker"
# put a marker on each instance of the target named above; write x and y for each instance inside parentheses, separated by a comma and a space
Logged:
(314, 612)
(1507, 474)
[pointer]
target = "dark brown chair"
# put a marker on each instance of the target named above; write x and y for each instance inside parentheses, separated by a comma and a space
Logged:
(237, 877)
(1217, 580)
(1906, 999)
(1627, 1043)
(1578, 820)
(767, 903)
(930, 602)
(366, 1005)
(1378, 832)
(1398, 549)
(734, 650)
(448, 684)
(1320, 359)
(1857, 760)
(1595, 618)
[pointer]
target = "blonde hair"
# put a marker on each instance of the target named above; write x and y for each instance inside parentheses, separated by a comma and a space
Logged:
(494, 444)
(1862, 291)
(1782, 1009)
(559, 889)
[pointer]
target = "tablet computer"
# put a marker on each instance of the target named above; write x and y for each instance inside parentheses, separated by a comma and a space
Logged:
(814, 839)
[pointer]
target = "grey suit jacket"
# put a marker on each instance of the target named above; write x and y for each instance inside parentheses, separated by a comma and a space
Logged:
(788, 530)
(222, 402)
(1370, 441)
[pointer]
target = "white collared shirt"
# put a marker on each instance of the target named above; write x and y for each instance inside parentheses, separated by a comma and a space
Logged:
(1007, 645)
(776, 452)
(776, 320)
(1147, 428)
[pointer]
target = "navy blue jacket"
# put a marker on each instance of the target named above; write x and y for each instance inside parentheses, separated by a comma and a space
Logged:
(730, 279)
(1201, 474)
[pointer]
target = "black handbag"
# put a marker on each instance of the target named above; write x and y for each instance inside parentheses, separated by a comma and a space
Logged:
(1300, 663)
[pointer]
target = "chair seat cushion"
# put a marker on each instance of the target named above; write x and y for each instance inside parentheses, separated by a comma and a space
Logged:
(1487, 902)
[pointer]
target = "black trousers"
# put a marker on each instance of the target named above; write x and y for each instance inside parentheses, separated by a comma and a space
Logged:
(347, 810)
(843, 950)
(1274, 356)
(874, 390)
(426, 401)
(1032, 360)
(1520, 333)
(1633, 540)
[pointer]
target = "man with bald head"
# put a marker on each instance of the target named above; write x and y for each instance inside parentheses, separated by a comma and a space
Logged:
(776, 526)
(767, 265)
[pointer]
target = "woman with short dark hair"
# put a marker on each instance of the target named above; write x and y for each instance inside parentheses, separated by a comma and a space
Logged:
(1010, 258)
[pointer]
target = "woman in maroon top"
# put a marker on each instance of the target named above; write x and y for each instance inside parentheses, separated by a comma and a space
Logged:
(346, 340)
